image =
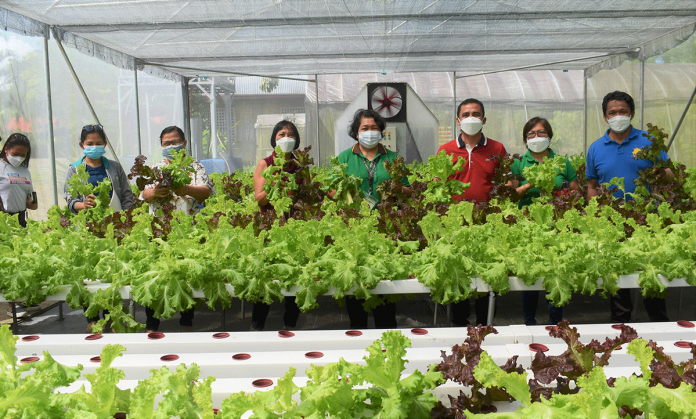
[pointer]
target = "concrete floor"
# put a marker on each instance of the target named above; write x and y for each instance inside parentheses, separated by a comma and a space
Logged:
(414, 311)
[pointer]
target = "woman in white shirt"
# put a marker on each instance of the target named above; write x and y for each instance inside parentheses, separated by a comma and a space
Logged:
(16, 190)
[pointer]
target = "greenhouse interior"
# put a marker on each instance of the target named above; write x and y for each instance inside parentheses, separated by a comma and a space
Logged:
(225, 72)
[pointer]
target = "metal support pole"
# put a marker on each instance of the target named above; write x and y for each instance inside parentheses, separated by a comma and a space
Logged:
(316, 105)
(491, 308)
(60, 311)
(137, 105)
(49, 111)
(686, 109)
(187, 112)
(642, 92)
(131, 308)
(454, 104)
(15, 322)
(213, 121)
(435, 315)
(584, 113)
(82, 90)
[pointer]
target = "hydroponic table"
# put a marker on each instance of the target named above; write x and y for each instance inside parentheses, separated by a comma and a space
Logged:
(238, 360)
(406, 286)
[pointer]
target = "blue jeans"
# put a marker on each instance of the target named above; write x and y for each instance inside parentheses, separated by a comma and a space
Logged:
(530, 301)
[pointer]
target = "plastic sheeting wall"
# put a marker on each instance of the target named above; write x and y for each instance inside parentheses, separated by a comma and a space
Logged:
(23, 108)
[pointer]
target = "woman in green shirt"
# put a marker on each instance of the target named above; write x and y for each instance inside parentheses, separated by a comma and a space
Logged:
(537, 135)
(366, 160)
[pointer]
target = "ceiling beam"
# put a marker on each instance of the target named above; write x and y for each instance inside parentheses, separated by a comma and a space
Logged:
(381, 55)
(346, 19)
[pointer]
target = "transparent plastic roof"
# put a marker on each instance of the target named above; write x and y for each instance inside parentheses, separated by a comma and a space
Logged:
(286, 37)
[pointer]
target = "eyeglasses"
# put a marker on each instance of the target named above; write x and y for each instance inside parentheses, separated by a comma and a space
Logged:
(89, 128)
(540, 133)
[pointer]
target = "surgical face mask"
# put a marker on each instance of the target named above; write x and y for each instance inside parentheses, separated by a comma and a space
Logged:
(471, 125)
(15, 160)
(94, 152)
(286, 144)
(619, 123)
(369, 139)
(538, 144)
(167, 151)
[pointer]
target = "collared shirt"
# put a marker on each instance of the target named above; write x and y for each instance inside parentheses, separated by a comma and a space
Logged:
(199, 177)
(607, 159)
(360, 166)
(479, 167)
(567, 175)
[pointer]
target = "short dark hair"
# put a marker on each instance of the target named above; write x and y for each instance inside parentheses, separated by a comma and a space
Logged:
(617, 95)
(357, 119)
(471, 100)
(173, 128)
(532, 122)
(14, 140)
(85, 133)
(282, 124)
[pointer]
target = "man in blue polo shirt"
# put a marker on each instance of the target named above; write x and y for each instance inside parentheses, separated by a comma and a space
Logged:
(612, 156)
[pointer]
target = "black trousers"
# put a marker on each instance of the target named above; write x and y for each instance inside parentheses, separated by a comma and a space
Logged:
(259, 314)
(622, 306)
(462, 310)
(384, 314)
(21, 217)
(152, 323)
(95, 318)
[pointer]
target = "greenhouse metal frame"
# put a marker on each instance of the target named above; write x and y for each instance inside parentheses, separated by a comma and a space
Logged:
(179, 40)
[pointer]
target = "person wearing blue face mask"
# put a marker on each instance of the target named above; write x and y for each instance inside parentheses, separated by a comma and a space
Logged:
(93, 145)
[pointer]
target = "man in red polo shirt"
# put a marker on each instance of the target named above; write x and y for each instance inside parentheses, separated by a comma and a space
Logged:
(478, 170)
(477, 149)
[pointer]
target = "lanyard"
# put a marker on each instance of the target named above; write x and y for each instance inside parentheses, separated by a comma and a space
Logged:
(370, 171)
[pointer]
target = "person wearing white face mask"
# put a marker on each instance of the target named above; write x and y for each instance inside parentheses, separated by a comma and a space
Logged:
(612, 156)
(286, 136)
(536, 135)
(477, 150)
(366, 160)
(16, 187)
